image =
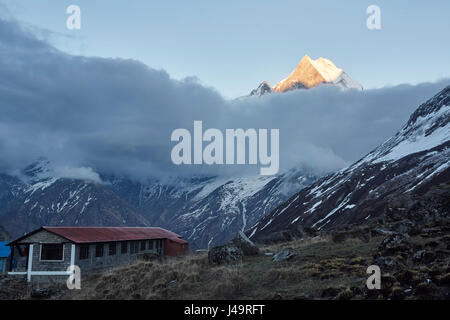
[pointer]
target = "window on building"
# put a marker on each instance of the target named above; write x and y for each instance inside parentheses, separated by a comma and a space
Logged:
(99, 250)
(84, 251)
(112, 248)
(134, 247)
(124, 247)
(143, 245)
(150, 244)
(53, 251)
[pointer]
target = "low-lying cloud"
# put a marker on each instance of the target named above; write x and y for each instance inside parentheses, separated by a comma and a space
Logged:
(116, 116)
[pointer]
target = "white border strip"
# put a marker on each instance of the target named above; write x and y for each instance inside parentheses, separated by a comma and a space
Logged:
(42, 273)
(30, 262)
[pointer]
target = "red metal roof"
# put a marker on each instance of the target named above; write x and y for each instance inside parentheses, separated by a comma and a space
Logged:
(178, 240)
(106, 234)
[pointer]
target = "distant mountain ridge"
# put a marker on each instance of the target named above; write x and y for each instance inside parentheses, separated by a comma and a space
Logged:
(310, 73)
(206, 211)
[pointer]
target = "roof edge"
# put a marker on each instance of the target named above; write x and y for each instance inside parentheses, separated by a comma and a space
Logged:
(34, 232)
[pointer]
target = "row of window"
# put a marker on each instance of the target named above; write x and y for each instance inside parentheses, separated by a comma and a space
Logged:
(135, 247)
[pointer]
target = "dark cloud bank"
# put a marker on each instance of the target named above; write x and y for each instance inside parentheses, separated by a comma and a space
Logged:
(116, 116)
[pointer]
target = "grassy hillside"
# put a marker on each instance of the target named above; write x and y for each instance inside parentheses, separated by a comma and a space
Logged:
(323, 268)
(317, 265)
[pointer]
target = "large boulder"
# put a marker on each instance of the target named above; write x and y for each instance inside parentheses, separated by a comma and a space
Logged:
(225, 254)
(395, 243)
(283, 255)
(247, 247)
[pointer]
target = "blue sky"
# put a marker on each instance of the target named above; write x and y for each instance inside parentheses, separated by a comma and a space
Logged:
(234, 45)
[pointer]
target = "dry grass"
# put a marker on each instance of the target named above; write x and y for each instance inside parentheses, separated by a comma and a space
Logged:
(317, 264)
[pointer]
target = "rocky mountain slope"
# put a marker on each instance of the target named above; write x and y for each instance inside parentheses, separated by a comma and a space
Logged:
(308, 74)
(262, 89)
(206, 211)
(225, 206)
(410, 162)
(209, 211)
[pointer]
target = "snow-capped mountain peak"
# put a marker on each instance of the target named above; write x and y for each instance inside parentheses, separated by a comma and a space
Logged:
(310, 73)
(262, 89)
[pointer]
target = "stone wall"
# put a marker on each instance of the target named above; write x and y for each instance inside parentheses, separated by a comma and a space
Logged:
(39, 265)
(43, 236)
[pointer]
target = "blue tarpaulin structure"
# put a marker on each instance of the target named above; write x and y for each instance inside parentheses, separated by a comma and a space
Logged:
(5, 251)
